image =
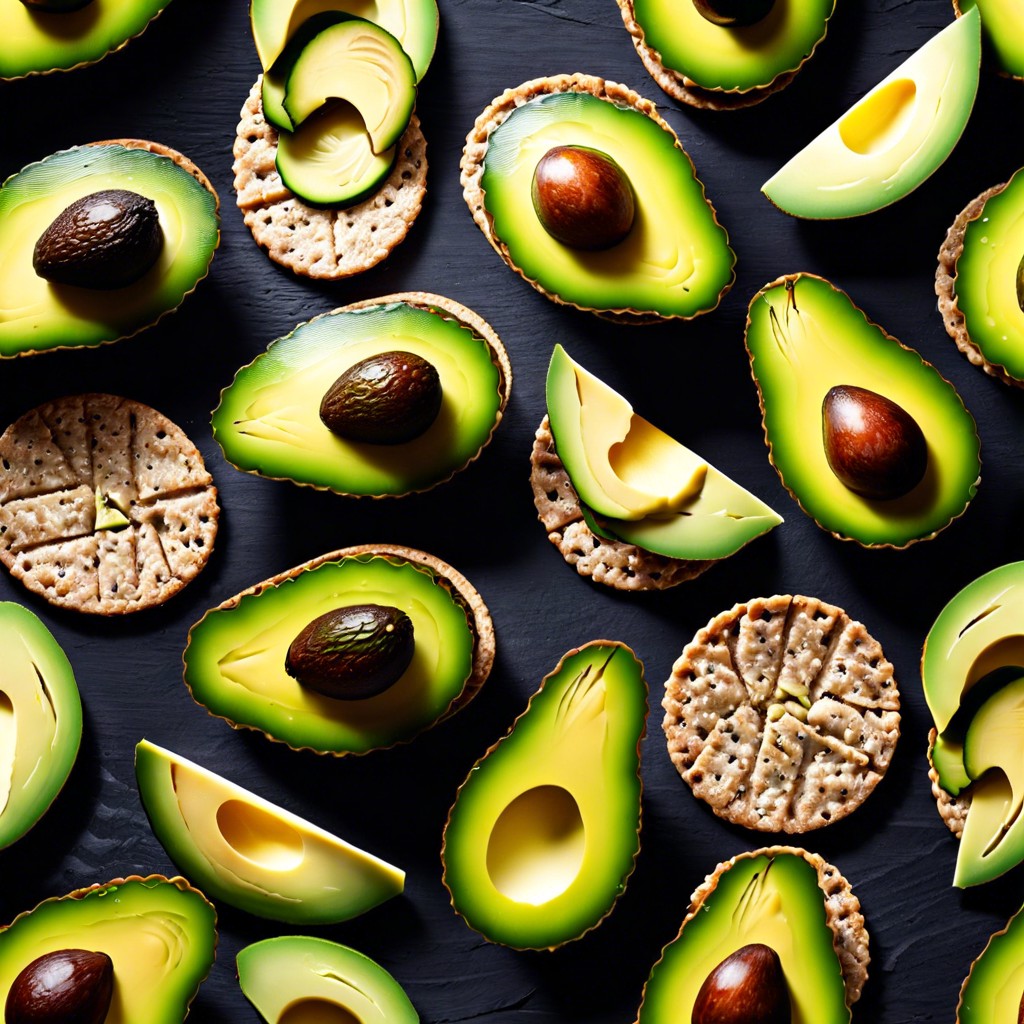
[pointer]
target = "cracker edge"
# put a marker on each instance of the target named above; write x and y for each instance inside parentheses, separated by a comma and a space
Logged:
(952, 809)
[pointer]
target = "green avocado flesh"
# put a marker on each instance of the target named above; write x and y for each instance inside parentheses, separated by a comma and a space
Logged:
(1002, 23)
(160, 934)
(413, 23)
(675, 261)
(299, 978)
(35, 43)
(893, 139)
(767, 898)
(732, 59)
(235, 658)
(545, 829)
(268, 422)
(40, 720)
(36, 315)
(992, 991)
(986, 278)
(805, 336)
(253, 854)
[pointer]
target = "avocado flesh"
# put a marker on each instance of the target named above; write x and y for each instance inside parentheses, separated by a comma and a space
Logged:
(987, 276)
(732, 59)
(235, 658)
(675, 261)
(283, 976)
(413, 23)
(36, 315)
(805, 336)
(267, 421)
(253, 854)
(36, 43)
(1002, 24)
(544, 831)
(893, 139)
(991, 993)
(768, 898)
(160, 934)
(40, 720)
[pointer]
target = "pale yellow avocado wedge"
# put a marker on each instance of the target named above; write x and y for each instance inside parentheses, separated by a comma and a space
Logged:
(250, 852)
(894, 138)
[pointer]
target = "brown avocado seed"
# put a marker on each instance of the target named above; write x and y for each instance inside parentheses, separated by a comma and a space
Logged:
(733, 13)
(582, 197)
(55, 6)
(389, 398)
(747, 987)
(874, 446)
(67, 986)
(106, 239)
(1020, 284)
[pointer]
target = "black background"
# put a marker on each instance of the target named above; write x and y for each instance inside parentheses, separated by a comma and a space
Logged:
(183, 83)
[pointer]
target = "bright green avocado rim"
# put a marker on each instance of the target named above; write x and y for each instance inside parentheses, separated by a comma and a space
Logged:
(475, 374)
(884, 365)
(36, 315)
(997, 972)
(37, 43)
(304, 720)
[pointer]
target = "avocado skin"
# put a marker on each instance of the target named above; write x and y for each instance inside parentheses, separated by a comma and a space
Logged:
(352, 652)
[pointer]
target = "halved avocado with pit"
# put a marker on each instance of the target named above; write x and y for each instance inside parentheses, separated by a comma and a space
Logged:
(37, 315)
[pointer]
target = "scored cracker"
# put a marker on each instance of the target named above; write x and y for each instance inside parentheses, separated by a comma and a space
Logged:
(782, 714)
(327, 244)
(55, 458)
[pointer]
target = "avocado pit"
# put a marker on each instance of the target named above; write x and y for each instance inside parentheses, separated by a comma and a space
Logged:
(56, 6)
(747, 987)
(67, 986)
(733, 13)
(106, 239)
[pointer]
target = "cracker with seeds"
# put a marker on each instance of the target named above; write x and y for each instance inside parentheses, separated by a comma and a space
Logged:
(316, 242)
(106, 506)
(782, 714)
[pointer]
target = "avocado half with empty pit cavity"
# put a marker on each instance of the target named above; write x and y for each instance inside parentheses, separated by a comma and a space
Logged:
(160, 933)
(674, 260)
(268, 421)
(252, 853)
(235, 660)
(894, 138)
(39, 315)
(545, 829)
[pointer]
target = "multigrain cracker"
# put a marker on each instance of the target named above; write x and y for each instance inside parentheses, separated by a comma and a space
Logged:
(62, 464)
(782, 714)
(320, 243)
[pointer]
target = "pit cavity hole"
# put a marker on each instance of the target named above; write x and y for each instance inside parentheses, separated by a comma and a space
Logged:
(317, 1011)
(258, 836)
(536, 848)
(878, 122)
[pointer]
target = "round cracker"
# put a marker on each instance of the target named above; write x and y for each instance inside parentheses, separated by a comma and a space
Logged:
(611, 562)
(945, 287)
(952, 809)
(53, 459)
(786, 775)
(327, 244)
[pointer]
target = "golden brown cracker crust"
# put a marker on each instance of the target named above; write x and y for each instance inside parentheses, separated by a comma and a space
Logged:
(952, 809)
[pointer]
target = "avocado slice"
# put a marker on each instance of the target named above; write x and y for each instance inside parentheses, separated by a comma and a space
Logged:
(235, 657)
(544, 831)
(770, 897)
(674, 262)
(40, 720)
(1002, 27)
(299, 977)
(160, 934)
(36, 315)
(993, 990)
(267, 421)
(804, 337)
(413, 23)
(894, 138)
(250, 852)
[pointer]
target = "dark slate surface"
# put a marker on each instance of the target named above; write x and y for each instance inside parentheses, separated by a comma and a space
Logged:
(183, 83)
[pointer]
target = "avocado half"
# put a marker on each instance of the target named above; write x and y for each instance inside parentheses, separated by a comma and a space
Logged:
(37, 43)
(37, 315)
(160, 933)
(544, 831)
(993, 990)
(675, 261)
(804, 336)
(1002, 27)
(267, 421)
(235, 656)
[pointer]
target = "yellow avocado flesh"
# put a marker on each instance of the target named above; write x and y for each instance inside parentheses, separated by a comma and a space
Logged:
(1002, 22)
(991, 993)
(252, 853)
(889, 142)
(159, 934)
